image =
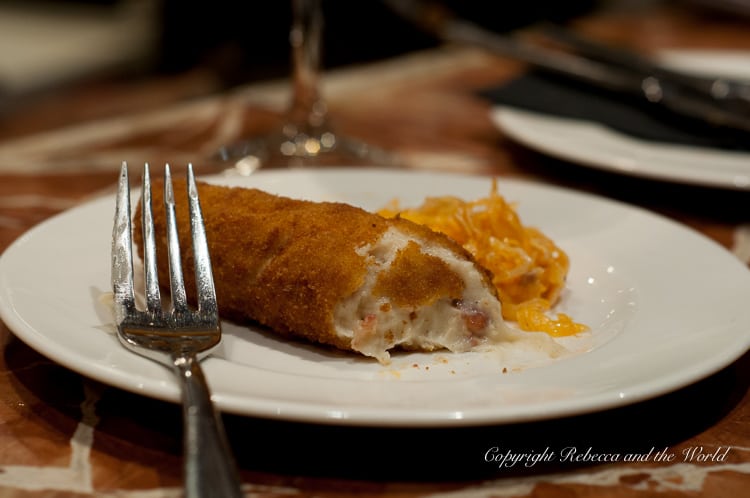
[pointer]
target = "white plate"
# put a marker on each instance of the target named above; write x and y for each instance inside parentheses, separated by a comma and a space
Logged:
(593, 145)
(666, 307)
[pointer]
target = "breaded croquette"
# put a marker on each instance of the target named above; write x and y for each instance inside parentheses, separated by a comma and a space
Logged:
(336, 274)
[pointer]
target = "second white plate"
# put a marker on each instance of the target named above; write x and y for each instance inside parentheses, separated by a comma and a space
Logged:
(593, 145)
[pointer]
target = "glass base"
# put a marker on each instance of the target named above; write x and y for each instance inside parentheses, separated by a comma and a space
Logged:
(301, 150)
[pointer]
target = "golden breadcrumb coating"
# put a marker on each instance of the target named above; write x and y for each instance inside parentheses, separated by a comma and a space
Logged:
(417, 279)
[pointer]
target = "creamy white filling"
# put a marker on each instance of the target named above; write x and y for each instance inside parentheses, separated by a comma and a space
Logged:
(375, 325)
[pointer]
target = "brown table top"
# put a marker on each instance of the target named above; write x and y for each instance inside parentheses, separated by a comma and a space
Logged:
(64, 435)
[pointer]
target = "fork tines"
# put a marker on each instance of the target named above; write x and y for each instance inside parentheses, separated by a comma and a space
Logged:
(122, 254)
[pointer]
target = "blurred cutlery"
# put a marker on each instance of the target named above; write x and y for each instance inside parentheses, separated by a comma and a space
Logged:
(652, 88)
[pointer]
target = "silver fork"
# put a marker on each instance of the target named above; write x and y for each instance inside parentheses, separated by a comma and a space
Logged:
(178, 337)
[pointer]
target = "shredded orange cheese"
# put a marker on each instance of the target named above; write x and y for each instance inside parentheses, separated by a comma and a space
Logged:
(528, 269)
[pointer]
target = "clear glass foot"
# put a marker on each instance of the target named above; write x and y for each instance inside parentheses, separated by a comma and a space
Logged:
(294, 149)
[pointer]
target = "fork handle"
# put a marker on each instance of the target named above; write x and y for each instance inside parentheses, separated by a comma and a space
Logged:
(210, 469)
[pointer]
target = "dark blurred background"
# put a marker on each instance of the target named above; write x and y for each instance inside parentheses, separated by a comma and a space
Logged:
(50, 47)
(49, 42)
(253, 35)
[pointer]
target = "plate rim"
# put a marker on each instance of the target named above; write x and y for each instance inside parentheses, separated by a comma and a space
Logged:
(517, 124)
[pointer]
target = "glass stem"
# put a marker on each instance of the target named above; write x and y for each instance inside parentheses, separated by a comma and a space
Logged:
(308, 112)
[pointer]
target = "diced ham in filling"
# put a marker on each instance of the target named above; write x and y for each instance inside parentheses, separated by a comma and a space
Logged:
(420, 296)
